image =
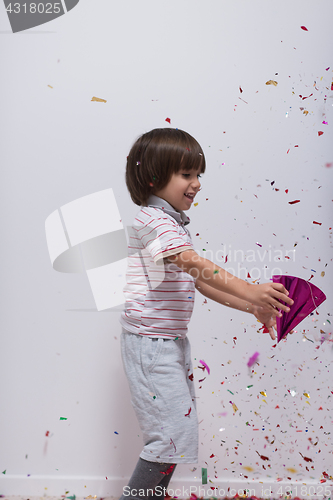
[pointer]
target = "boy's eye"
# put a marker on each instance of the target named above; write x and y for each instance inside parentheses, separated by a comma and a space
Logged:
(187, 175)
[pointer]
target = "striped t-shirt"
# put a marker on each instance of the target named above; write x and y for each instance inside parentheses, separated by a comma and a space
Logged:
(159, 295)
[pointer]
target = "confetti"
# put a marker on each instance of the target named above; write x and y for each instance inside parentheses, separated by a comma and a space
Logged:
(234, 407)
(63, 418)
(205, 365)
(262, 457)
(188, 414)
(168, 120)
(272, 82)
(306, 458)
(293, 202)
(320, 133)
(304, 28)
(253, 359)
(97, 99)
(170, 469)
(203, 475)
(319, 223)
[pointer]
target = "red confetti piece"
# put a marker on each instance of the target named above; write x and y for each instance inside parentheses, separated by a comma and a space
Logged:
(47, 433)
(170, 469)
(240, 89)
(307, 97)
(306, 458)
(212, 455)
(191, 377)
(288, 151)
(188, 414)
(168, 120)
(319, 223)
(171, 442)
(292, 202)
(320, 133)
(304, 28)
(286, 190)
(332, 86)
(265, 458)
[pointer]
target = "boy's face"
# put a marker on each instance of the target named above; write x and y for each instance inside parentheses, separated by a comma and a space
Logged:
(181, 184)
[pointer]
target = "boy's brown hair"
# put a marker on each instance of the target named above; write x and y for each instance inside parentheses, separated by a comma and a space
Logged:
(155, 156)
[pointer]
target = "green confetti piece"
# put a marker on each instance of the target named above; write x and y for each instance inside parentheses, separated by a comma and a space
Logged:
(4, 472)
(73, 497)
(230, 392)
(328, 321)
(216, 271)
(176, 338)
(204, 475)
(63, 418)
(248, 387)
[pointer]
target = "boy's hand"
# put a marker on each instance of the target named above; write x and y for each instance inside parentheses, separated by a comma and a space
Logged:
(265, 317)
(269, 295)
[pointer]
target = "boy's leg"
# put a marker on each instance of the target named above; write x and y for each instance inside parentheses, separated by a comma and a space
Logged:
(145, 478)
(161, 488)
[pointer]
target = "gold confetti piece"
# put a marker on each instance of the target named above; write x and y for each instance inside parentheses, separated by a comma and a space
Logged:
(322, 274)
(234, 407)
(292, 470)
(306, 395)
(98, 99)
(272, 82)
(90, 496)
(264, 400)
(50, 86)
(305, 112)
(196, 204)
(263, 393)
(248, 468)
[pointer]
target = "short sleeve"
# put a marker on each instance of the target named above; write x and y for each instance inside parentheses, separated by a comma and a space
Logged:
(162, 237)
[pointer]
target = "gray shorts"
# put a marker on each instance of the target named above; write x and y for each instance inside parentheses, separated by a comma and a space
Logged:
(162, 394)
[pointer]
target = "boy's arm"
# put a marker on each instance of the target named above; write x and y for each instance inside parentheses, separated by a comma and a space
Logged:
(267, 295)
(223, 298)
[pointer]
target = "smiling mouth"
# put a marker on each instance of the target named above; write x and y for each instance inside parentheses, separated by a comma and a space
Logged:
(190, 197)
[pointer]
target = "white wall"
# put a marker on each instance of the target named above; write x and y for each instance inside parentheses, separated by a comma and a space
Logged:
(60, 357)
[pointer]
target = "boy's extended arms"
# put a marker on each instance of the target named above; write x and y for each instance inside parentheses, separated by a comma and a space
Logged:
(267, 295)
(223, 298)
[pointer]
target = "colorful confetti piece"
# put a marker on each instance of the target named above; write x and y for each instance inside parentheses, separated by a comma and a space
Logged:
(253, 359)
(205, 365)
(272, 82)
(97, 99)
